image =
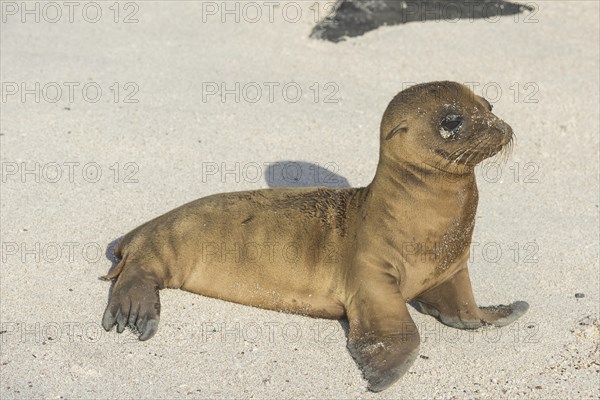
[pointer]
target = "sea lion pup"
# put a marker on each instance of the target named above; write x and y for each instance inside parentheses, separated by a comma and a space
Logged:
(358, 252)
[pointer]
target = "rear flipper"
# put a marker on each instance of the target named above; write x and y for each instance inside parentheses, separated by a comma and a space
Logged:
(134, 301)
(453, 304)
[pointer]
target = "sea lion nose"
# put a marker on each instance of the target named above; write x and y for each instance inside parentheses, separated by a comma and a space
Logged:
(504, 128)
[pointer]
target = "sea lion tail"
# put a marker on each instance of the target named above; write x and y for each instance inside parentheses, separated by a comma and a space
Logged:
(115, 272)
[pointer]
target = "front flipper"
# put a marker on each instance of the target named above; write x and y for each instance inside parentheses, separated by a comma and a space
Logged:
(134, 302)
(453, 304)
(383, 338)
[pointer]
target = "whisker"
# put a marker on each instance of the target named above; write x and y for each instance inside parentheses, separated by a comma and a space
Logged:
(456, 156)
(466, 153)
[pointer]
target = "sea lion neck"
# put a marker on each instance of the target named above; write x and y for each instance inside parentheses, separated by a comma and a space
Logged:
(397, 175)
(407, 189)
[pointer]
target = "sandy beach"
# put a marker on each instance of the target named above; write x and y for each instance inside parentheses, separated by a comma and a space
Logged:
(114, 113)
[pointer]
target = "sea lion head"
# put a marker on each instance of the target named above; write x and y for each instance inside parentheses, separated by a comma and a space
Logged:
(444, 125)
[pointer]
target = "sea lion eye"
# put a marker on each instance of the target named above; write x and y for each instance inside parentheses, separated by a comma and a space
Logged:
(451, 124)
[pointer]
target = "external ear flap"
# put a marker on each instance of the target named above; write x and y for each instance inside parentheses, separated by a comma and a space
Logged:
(400, 128)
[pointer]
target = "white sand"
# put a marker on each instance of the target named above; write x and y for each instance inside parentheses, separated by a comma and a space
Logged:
(51, 304)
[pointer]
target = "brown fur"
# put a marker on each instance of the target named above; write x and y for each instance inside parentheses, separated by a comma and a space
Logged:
(361, 253)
